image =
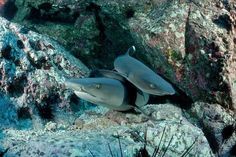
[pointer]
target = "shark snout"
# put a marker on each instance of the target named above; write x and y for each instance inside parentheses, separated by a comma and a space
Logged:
(167, 89)
(74, 84)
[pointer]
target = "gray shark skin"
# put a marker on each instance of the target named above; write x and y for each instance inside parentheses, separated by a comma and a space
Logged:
(142, 76)
(107, 92)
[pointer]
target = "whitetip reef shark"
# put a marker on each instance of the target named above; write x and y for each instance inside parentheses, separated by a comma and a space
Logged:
(109, 89)
(142, 76)
(103, 91)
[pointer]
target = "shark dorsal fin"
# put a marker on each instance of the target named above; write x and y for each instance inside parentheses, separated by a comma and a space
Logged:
(130, 50)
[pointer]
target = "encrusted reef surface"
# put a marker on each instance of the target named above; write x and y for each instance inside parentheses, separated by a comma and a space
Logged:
(97, 130)
(32, 69)
(191, 43)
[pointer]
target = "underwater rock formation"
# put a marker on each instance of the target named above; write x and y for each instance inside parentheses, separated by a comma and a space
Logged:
(32, 68)
(189, 42)
(94, 131)
(217, 124)
(184, 43)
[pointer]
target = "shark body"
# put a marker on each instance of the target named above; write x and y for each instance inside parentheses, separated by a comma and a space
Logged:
(141, 76)
(109, 89)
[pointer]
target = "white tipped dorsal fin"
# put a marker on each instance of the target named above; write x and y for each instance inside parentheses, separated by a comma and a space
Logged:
(130, 50)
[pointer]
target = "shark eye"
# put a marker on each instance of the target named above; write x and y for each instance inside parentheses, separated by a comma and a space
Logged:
(98, 86)
(152, 86)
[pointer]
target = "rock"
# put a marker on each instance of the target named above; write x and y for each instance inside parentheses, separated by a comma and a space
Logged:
(79, 123)
(213, 119)
(32, 70)
(182, 40)
(8, 114)
(51, 126)
(100, 130)
(72, 25)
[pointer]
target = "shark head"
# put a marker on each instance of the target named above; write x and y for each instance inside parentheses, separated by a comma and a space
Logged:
(153, 84)
(104, 91)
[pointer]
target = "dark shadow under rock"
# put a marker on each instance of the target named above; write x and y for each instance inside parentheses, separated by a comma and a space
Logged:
(9, 9)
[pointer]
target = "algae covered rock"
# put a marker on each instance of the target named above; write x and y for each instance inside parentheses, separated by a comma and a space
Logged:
(8, 114)
(102, 134)
(32, 69)
(186, 43)
(217, 124)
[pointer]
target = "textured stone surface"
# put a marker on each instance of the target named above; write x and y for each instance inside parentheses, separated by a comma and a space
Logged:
(213, 119)
(8, 114)
(189, 44)
(101, 128)
(32, 69)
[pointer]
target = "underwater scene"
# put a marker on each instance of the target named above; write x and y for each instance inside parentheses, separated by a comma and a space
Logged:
(117, 78)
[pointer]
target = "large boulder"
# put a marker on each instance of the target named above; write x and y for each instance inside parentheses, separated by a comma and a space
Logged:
(218, 125)
(32, 71)
(192, 44)
(93, 133)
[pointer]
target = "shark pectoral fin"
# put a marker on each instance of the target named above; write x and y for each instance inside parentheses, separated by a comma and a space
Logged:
(142, 98)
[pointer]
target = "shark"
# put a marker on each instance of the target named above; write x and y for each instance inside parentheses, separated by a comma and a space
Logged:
(142, 76)
(103, 91)
(108, 88)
